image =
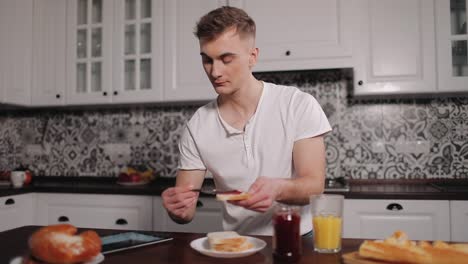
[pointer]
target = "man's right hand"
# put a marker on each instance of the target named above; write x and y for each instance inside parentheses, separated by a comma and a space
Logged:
(180, 203)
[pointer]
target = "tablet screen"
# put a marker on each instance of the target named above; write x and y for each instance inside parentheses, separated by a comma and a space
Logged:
(128, 240)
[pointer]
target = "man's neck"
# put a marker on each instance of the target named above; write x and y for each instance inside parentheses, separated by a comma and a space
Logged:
(238, 108)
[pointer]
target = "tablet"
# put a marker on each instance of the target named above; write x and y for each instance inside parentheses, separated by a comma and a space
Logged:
(128, 240)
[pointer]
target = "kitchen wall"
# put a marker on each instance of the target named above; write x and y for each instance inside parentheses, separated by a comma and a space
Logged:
(371, 139)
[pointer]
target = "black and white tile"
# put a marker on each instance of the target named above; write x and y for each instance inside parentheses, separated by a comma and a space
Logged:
(371, 139)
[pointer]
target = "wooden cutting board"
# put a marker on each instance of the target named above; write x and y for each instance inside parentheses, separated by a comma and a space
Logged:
(354, 258)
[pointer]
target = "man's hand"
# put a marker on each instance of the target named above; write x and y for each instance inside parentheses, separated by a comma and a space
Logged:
(180, 203)
(263, 192)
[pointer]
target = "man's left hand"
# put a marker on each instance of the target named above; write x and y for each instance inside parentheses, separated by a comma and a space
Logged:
(263, 192)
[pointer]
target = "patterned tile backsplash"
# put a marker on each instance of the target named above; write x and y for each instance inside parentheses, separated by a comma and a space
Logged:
(371, 139)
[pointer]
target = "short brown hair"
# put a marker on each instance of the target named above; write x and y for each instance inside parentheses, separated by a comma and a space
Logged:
(217, 21)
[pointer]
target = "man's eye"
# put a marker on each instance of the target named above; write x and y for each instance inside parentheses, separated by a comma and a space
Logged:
(207, 60)
(227, 59)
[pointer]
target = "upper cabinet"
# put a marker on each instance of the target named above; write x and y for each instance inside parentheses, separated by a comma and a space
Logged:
(301, 34)
(185, 78)
(114, 51)
(16, 25)
(48, 53)
(395, 47)
(452, 45)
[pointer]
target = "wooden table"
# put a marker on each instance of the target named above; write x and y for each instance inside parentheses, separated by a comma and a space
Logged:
(14, 243)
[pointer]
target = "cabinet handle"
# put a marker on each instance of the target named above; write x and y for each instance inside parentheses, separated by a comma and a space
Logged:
(63, 219)
(116, 93)
(287, 53)
(9, 201)
(57, 96)
(199, 204)
(394, 207)
(104, 93)
(121, 221)
(360, 82)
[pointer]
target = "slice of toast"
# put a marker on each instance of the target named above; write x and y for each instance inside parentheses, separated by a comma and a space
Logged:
(232, 196)
(228, 241)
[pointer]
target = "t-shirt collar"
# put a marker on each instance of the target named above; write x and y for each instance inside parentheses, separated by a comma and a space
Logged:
(231, 131)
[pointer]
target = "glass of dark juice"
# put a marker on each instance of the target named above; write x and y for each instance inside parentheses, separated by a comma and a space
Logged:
(287, 244)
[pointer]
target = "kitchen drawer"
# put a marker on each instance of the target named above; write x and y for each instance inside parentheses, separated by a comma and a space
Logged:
(208, 217)
(96, 211)
(16, 211)
(377, 219)
(458, 220)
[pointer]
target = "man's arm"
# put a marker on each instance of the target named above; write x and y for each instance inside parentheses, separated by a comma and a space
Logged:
(309, 164)
(179, 201)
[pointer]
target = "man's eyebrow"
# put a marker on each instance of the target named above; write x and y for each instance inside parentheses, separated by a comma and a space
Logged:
(221, 56)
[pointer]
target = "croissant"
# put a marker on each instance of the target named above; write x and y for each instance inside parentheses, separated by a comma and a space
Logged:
(59, 244)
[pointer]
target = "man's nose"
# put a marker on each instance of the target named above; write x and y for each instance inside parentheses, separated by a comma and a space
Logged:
(216, 69)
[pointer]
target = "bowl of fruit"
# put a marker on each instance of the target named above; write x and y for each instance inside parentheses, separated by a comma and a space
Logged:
(132, 176)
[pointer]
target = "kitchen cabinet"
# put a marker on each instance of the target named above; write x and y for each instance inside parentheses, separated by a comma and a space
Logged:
(95, 210)
(185, 79)
(302, 34)
(16, 25)
(378, 219)
(395, 47)
(452, 45)
(114, 51)
(208, 217)
(48, 53)
(16, 211)
(458, 220)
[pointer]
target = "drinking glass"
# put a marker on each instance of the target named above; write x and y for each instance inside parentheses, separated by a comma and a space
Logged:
(327, 219)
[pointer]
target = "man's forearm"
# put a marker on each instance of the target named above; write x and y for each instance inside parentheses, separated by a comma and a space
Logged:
(298, 190)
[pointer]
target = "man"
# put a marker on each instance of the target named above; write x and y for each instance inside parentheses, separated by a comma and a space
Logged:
(257, 137)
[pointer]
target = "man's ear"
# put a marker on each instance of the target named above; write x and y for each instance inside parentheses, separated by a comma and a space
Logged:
(253, 57)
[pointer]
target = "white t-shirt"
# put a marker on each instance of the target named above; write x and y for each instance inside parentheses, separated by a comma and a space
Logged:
(236, 158)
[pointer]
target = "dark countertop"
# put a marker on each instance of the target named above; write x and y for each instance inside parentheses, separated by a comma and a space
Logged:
(106, 185)
(177, 250)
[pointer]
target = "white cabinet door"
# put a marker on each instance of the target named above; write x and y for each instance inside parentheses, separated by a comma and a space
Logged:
(185, 79)
(395, 47)
(16, 211)
(458, 220)
(95, 210)
(49, 55)
(452, 45)
(16, 51)
(378, 219)
(138, 51)
(301, 34)
(208, 217)
(89, 51)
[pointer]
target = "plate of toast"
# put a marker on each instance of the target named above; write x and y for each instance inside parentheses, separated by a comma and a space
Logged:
(227, 244)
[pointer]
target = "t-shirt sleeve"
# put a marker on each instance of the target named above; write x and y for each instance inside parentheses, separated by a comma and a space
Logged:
(189, 155)
(310, 120)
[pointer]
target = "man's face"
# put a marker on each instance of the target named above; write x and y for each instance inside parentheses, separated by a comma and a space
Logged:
(228, 60)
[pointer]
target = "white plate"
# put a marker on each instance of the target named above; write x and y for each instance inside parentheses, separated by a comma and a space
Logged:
(98, 259)
(202, 245)
(133, 183)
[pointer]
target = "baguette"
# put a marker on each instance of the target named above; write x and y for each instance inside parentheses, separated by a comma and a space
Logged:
(399, 249)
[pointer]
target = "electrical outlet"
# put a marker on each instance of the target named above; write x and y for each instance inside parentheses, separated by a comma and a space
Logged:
(412, 147)
(378, 147)
(34, 149)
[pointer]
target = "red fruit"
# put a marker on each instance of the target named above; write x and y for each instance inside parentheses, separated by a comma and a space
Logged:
(28, 177)
(124, 177)
(135, 177)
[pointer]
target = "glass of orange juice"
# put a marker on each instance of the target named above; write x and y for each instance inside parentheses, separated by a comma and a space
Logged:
(327, 221)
